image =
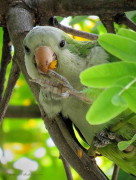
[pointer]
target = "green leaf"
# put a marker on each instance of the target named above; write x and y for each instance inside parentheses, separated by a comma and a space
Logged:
(130, 97)
(127, 33)
(102, 109)
(119, 46)
(118, 100)
(125, 144)
(77, 19)
(92, 93)
(133, 138)
(101, 28)
(124, 175)
(130, 14)
(106, 75)
(128, 92)
(59, 18)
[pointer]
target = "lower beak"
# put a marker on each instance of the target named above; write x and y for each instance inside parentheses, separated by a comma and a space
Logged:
(45, 59)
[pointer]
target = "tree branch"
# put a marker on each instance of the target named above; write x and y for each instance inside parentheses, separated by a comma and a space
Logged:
(123, 19)
(53, 22)
(67, 168)
(115, 172)
(87, 169)
(31, 111)
(87, 7)
(108, 22)
(14, 75)
(48, 8)
(6, 57)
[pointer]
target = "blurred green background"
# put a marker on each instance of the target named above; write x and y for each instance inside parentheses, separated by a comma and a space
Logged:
(26, 150)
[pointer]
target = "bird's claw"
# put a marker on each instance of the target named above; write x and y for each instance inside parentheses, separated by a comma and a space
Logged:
(54, 90)
(104, 138)
(59, 87)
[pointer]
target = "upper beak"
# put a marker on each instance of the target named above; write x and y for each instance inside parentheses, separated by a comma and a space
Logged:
(45, 59)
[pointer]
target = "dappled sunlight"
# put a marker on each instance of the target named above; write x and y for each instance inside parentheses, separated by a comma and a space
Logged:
(39, 153)
(99, 161)
(50, 142)
(26, 164)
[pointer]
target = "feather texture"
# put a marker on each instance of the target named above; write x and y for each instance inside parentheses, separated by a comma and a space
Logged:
(72, 59)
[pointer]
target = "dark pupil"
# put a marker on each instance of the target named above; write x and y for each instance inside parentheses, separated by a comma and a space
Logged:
(62, 43)
(27, 49)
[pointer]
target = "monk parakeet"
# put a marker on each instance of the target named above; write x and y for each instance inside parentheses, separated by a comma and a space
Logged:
(50, 52)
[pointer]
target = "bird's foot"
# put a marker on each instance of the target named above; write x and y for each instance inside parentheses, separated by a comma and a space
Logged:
(59, 87)
(104, 138)
(54, 90)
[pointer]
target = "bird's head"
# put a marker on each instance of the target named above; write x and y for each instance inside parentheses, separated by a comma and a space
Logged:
(46, 48)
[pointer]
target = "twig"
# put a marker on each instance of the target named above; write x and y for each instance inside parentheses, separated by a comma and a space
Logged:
(108, 23)
(115, 172)
(123, 19)
(53, 22)
(62, 84)
(69, 148)
(14, 75)
(66, 90)
(76, 149)
(6, 57)
(31, 111)
(67, 168)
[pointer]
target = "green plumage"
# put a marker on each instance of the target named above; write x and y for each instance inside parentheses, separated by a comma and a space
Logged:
(73, 58)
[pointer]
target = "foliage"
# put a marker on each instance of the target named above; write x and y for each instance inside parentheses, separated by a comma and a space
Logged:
(117, 79)
(123, 175)
(125, 144)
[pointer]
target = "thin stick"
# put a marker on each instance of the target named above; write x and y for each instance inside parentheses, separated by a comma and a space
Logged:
(123, 19)
(67, 168)
(53, 22)
(66, 90)
(14, 75)
(6, 57)
(115, 172)
(83, 157)
(108, 23)
(19, 112)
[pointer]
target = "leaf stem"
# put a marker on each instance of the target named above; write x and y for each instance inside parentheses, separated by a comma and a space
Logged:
(127, 87)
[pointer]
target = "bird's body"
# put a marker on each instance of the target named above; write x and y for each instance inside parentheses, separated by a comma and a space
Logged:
(72, 58)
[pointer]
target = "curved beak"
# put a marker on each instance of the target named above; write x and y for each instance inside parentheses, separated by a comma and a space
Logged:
(45, 59)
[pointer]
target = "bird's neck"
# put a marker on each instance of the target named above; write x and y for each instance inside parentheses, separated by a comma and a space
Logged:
(71, 68)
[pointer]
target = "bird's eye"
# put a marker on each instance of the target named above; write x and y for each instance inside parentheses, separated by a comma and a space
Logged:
(27, 49)
(62, 43)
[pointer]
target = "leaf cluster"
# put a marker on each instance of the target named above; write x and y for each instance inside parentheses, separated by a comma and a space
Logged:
(118, 79)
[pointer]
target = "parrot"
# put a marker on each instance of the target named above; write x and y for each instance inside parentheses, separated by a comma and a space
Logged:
(54, 60)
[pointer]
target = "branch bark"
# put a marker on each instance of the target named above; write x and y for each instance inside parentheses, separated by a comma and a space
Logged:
(115, 172)
(67, 168)
(87, 7)
(53, 22)
(23, 112)
(13, 77)
(6, 58)
(123, 19)
(86, 168)
(48, 8)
